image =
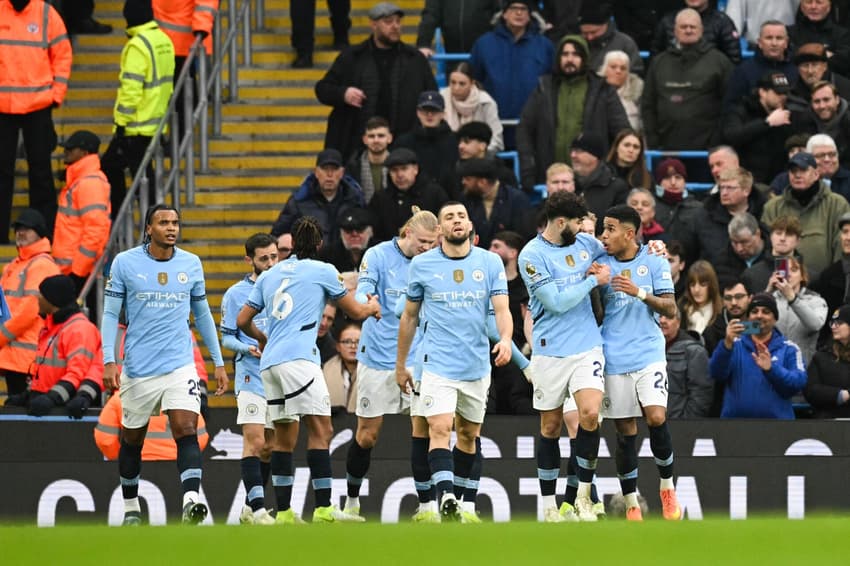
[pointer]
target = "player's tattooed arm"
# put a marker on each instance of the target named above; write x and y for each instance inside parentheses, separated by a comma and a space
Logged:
(663, 304)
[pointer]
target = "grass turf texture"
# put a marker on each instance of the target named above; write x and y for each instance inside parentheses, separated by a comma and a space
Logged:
(774, 541)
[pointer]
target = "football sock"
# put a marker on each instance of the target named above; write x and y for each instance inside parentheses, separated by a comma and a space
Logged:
(442, 470)
(282, 478)
(319, 462)
(548, 468)
(572, 479)
(661, 445)
(471, 491)
(189, 463)
(252, 478)
(587, 449)
(463, 463)
(129, 468)
(421, 468)
(627, 463)
(356, 465)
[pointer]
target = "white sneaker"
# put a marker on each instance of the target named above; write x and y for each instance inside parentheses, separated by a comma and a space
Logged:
(246, 517)
(263, 517)
(333, 514)
(553, 515)
(568, 513)
(450, 507)
(584, 510)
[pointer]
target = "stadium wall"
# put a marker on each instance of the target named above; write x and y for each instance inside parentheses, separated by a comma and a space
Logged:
(54, 474)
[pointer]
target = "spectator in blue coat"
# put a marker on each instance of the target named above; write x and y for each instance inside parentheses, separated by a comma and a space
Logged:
(761, 371)
(508, 60)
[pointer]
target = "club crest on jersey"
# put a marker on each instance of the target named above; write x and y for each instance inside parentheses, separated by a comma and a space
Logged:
(530, 269)
(182, 278)
(162, 278)
(364, 402)
(584, 255)
(109, 280)
(627, 273)
(570, 261)
(339, 276)
(364, 266)
(478, 275)
(252, 409)
(642, 270)
(457, 275)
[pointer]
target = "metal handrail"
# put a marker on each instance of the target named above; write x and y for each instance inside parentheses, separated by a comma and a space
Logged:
(122, 234)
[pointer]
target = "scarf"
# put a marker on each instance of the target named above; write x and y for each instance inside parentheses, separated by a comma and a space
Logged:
(460, 112)
(671, 197)
(651, 229)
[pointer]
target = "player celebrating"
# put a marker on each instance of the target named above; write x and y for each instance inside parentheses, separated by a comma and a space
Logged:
(641, 288)
(261, 254)
(567, 355)
(158, 284)
(383, 272)
(295, 291)
(455, 283)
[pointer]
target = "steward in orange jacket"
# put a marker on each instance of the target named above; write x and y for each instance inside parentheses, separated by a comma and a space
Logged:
(35, 65)
(82, 222)
(20, 281)
(182, 19)
(159, 442)
(68, 368)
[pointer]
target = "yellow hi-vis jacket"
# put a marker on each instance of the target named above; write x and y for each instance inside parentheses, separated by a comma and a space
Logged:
(147, 80)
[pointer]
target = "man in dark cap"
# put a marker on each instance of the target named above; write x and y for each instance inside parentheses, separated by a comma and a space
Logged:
(433, 141)
(759, 367)
(20, 280)
(812, 64)
(550, 120)
(323, 194)
(68, 367)
(492, 207)
(380, 76)
(595, 179)
(406, 188)
(355, 237)
(598, 30)
(473, 139)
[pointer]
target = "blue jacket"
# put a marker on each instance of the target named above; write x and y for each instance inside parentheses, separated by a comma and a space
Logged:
(307, 200)
(743, 79)
(508, 69)
(750, 391)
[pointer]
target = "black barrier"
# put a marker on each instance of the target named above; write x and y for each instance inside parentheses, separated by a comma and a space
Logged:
(53, 474)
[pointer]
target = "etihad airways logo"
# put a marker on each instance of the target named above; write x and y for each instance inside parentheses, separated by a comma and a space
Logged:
(161, 296)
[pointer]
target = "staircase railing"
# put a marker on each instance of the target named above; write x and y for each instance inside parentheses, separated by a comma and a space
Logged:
(128, 228)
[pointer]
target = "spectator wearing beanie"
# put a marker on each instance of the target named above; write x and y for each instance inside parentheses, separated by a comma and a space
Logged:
(595, 179)
(761, 371)
(473, 140)
(675, 209)
(598, 29)
(812, 66)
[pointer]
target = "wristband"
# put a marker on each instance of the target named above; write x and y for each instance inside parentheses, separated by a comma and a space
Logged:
(641, 294)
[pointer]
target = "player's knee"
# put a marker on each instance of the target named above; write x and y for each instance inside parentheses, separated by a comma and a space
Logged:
(589, 418)
(550, 429)
(656, 418)
(255, 444)
(179, 430)
(367, 438)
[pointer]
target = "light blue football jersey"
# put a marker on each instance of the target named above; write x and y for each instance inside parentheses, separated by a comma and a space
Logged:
(542, 263)
(456, 293)
(383, 272)
(294, 292)
(247, 370)
(630, 330)
(156, 295)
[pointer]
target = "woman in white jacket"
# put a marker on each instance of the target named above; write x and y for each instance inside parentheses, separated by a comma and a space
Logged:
(466, 102)
(802, 312)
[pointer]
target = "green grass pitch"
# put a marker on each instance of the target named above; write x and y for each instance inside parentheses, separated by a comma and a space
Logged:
(774, 541)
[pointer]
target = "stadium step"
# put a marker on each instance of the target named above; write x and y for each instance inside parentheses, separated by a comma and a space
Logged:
(270, 134)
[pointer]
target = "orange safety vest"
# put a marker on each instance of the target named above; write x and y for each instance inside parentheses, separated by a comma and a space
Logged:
(180, 19)
(20, 281)
(35, 58)
(159, 442)
(82, 221)
(68, 351)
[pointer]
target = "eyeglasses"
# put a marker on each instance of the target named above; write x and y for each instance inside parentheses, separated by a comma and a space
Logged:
(349, 342)
(822, 155)
(736, 297)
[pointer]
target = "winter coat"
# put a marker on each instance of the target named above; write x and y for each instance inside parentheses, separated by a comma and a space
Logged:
(508, 69)
(690, 389)
(461, 22)
(436, 149)
(802, 320)
(678, 220)
(718, 32)
(614, 40)
(355, 67)
(601, 190)
(752, 392)
(603, 114)
(391, 207)
(682, 97)
(743, 80)
(748, 15)
(508, 213)
(827, 377)
(834, 37)
(712, 224)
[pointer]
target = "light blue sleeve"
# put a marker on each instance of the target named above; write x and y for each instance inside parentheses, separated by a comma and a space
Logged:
(231, 342)
(255, 297)
(206, 325)
(398, 307)
(493, 334)
(662, 279)
(561, 301)
(109, 326)
(367, 281)
(415, 290)
(498, 279)
(331, 282)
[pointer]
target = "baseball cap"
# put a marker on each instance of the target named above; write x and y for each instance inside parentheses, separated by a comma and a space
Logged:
(777, 82)
(401, 156)
(809, 52)
(31, 218)
(329, 157)
(82, 139)
(802, 160)
(383, 10)
(431, 99)
(354, 219)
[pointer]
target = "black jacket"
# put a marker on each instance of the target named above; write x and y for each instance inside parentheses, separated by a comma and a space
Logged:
(355, 67)
(827, 376)
(391, 207)
(461, 22)
(718, 31)
(691, 390)
(603, 114)
(508, 213)
(436, 149)
(743, 79)
(601, 190)
(834, 37)
(712, 224)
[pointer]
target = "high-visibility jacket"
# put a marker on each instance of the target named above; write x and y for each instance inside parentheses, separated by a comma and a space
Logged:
(69, 351)
(159, 443)
(20, 281)
(180, 19)
(147, 80)
(82, 221)
(35, 58)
